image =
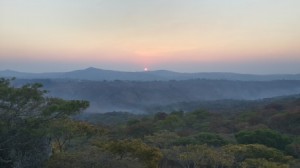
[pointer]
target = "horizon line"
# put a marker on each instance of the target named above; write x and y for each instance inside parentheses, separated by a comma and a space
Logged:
(149, 70)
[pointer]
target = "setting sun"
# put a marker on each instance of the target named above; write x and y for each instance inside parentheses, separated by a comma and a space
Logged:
(185, 36)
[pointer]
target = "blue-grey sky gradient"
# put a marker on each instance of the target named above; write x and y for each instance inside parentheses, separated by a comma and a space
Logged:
(245, 36)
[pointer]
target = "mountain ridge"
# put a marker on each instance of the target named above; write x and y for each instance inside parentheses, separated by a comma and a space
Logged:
(97, 74)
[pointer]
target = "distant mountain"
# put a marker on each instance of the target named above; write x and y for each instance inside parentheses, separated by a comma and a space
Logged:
(159, 75)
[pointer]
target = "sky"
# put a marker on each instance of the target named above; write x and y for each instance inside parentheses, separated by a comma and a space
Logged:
(242, 36)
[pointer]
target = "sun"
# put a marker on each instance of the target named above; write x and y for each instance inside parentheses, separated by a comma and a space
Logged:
(145, 69)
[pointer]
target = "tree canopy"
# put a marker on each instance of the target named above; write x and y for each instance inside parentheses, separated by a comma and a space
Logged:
(25, 116)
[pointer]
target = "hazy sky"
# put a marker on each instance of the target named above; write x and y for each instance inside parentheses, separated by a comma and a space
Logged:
(245, 36)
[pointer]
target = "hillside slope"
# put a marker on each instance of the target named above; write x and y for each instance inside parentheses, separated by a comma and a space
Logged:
(138, 96)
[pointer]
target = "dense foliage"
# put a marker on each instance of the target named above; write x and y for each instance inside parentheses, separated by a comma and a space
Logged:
(37, 131)
(25, 119)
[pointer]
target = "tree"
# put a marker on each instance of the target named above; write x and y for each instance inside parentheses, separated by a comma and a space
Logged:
(202, 138)
(255, 151)
(88, 157)
(170, 123)
(266, 137)
(201, 156)
(160, 116)
(294, 148)
(262, 163)
(62, 131)
(161, 139)
(25, 114)
(288, 122)
(138, 129)
(148, 155)
(209, 139)
(198, 120)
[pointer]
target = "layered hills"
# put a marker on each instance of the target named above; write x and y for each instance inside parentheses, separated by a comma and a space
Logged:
(150, 91)
(160, 75)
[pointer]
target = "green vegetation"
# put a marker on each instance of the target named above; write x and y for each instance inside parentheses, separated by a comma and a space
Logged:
(38, 131)
(26, 117)
(266, 137)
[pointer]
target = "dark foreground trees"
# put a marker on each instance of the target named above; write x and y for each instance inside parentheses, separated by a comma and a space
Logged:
(25, 116)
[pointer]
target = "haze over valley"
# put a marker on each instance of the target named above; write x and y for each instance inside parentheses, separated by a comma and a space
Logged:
(140, 92)
(149, 83)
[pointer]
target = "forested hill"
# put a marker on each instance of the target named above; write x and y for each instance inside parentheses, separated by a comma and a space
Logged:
(160, 75)
(42, 131)
(136, 96)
